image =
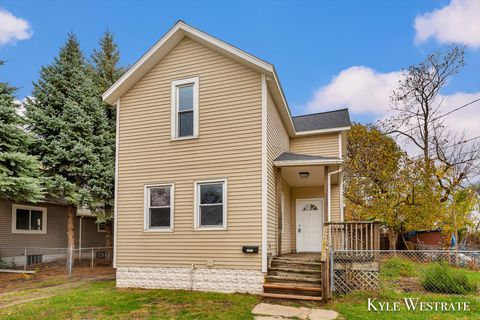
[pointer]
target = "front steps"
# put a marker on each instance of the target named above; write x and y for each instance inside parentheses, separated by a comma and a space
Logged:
(294, 277)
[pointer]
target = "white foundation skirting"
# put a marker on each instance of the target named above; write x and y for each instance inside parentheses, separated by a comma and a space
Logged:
(218, 280)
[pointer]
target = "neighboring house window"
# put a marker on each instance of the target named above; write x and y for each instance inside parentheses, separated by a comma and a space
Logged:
(185, 108)
(211, 204)
(101, 227)
(28, 219)
(159, 207)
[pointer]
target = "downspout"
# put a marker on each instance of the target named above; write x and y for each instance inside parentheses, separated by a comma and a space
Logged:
(329, 195)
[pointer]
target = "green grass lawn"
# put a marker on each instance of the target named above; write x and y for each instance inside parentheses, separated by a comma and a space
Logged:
(354, 306)
(101, 300)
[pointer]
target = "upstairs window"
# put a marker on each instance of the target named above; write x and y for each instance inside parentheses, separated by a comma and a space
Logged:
(28, 219)
(185, 108)
(210, 206)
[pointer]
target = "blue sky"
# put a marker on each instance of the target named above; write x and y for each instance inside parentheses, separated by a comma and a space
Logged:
(329, 54)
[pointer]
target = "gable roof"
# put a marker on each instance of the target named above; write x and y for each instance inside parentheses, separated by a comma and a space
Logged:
(176, 34)
(322, 121)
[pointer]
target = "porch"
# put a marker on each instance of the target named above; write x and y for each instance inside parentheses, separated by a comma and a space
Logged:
(306, 221)
(306, 195)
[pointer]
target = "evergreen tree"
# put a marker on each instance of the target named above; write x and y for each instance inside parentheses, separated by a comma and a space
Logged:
(19, 171)
(106, 71)
(71, 127)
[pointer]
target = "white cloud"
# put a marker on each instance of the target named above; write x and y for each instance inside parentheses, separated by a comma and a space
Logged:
(367, 92)
(361, 89)
(13, 28)
(458, 22)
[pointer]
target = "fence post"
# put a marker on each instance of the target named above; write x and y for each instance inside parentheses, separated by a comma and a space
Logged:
(69, 261)
(332, 284)
(25, 255)
(92, 259)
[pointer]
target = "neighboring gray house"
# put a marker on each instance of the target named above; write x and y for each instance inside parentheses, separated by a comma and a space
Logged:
(43, 225)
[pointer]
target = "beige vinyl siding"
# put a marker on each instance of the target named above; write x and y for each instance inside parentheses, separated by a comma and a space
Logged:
(319, 145)
(335, 203)
(288, 220)
(277, 143)
(229, 147)
(56, 236)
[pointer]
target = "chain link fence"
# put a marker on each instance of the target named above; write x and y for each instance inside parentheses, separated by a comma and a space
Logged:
(427, 271)
(51, 260)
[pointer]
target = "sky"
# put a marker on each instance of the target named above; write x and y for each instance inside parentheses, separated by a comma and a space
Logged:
(328, 54)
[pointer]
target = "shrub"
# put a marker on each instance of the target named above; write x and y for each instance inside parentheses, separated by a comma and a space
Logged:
(397, 267)
(441, 278)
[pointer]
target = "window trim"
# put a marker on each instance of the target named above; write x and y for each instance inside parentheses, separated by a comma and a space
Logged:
(174, 107)
(146, 207)
(26, 207)
(196, 192)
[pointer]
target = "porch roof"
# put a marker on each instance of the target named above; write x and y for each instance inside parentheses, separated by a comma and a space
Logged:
(296, 159)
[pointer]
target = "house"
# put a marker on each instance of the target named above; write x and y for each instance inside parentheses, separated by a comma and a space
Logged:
(41, 230)
(214, 177)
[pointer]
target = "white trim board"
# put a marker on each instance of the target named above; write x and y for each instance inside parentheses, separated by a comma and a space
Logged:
(264, 177)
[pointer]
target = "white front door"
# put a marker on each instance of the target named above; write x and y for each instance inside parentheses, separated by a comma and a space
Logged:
(309, 225)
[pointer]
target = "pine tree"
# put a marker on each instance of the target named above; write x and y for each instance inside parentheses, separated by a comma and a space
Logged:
(19, 171)
(106, 71)
(71, 127)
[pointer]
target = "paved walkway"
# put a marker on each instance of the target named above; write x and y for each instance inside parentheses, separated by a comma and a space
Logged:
(266, 311)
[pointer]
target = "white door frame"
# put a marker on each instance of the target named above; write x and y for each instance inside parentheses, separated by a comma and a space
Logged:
(322, 214)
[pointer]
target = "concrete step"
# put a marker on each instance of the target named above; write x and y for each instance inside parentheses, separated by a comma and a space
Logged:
(290, 296)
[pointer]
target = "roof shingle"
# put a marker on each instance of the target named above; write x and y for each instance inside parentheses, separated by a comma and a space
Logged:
(324, 120)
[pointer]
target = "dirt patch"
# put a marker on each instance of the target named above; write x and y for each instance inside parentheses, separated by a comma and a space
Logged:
(52, 275)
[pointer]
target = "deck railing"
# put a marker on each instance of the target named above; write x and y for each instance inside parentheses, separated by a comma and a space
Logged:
(354, 235)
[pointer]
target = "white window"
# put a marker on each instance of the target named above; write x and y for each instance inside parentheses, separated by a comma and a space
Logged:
(184, 122)
(28, 219)
(211, 204)
(159, 207)
(101, 227)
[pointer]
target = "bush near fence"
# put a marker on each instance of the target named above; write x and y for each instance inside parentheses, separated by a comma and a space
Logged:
(437, 271)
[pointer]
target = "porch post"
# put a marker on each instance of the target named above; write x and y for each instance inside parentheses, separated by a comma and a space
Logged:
(278, 186)
(326, 190)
